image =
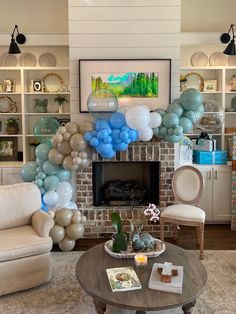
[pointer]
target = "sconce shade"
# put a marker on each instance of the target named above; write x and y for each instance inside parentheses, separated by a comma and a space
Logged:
(13, 48)
(230, 49)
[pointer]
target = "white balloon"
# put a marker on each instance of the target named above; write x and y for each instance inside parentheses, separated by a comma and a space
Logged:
(145, 134)
(63, 203)
(77, 160)
(62, 129)
(72, 205)
(137, 117)
(155, 120)
(50, 198)
(64, 187)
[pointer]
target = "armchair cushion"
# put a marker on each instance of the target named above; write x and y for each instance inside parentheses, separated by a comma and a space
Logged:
(184, 212)
(42, 223)
(22, 242)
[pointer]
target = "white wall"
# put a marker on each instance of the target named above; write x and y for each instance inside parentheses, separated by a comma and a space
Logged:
(126, 29)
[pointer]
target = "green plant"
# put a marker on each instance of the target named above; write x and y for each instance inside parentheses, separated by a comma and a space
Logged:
(120, 238)
(60, 99)
(12, 122)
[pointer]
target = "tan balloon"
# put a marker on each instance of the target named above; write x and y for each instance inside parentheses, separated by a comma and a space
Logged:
(66, 244)
(77, 160)
(83, 155)
(83, 219)
(74, 231)
(66, 136)
(77, 142)
(62, 129)
(86, 126)
(74, 153)
(57, 233)
(76, 218)
(84, 163)
(63, 216)
(51, 213)
(54, 141)
(55, 157)
(59, 138)
(68, 164)
(72, 127)
(64, 148)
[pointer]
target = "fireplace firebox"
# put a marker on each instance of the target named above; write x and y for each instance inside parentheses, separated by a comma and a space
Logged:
(121, 183)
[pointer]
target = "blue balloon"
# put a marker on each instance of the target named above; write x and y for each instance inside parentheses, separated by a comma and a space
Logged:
(63, 175)
(42, 151)
(191, 99)
(119, 147)
(87, 136)
(50, 168)
(107, 139)
(127, 141)
(117, 120)
(28, 171)
(109, 154)
(101, 124)
(44, 207)
(115, 134)
(51, 183)
(94, 142)
(124, 135)
(102, 134)
(170, 120)
(133, 135)
(186, 123)
(125, 128)
(94, 133)
(103, 148)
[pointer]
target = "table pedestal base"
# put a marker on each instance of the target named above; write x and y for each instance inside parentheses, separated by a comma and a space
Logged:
(99, 306)
(188, 308)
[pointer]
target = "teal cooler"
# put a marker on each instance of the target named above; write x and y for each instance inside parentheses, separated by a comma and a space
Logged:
(218, 157)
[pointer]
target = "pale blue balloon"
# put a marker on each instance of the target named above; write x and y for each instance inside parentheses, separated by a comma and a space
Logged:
(170, 131)
(170, 120)
(39, 182)
(201, 108)
(191, 99)
(51, 183)
(41, 175)
(173, 138)
(179, 130)
(191, 115)
(163, 131)
(63, 175)
(186, 123)
(42, 151)
(39, 162)
(176, 108)
(42, 190)
(38, 169)
(50, 168)
(156, 131)
(28, 171)
(162, 112)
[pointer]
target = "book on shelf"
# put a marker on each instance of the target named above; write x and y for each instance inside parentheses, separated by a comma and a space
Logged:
(123, 279)
(174, 286)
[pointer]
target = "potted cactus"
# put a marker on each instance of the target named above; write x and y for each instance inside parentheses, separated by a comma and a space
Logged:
(12, 126)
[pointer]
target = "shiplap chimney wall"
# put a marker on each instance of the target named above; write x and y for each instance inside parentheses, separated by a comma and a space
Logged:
(128, 29)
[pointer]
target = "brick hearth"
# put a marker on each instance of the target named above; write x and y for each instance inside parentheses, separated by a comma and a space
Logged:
(99, 221)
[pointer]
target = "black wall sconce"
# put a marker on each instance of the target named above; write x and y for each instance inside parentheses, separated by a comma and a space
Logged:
(225, 38)
(20, 39)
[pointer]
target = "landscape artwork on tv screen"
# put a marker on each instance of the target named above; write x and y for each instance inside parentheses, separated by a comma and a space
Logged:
(130, 84)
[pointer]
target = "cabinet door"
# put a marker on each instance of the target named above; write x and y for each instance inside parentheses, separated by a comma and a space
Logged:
(11, 176)
(206, 199)
(222, 191)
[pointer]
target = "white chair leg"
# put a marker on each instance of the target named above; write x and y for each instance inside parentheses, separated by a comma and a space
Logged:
(201, 241)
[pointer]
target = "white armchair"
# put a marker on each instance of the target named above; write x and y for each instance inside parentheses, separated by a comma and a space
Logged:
(25, 245)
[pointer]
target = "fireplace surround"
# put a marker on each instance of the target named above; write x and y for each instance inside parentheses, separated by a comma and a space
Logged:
(99, 217)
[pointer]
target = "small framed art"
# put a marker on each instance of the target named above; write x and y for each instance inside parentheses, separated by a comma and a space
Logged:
(37, 86)
(8, 149)
(9, 86)
(210, 86)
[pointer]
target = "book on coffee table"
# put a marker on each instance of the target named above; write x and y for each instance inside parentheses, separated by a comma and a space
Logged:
(123, 279)
(174, 286)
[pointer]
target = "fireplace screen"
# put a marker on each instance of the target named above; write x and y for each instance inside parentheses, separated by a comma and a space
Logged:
(121, 183)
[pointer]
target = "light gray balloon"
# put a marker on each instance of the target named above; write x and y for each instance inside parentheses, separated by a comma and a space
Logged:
(55, 156)
(75, 231)
(68, 163)
(66, 244)
(84, 163)
(63, 216)
(72, 127)
(83, 155)
(77, 142)
(57, 233)
(64, 148)
(83, 219)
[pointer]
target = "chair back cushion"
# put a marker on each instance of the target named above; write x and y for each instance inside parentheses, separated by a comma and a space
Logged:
(17, 204)
(187, 185)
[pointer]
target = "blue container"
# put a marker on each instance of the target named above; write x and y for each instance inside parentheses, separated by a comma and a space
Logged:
(218, 157)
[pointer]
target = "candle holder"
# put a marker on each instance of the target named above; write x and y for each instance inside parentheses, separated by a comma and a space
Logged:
(140, 260)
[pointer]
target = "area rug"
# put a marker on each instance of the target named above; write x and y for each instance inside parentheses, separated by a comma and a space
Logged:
(63, 294)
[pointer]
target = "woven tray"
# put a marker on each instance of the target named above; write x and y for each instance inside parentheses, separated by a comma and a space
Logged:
(160, 247)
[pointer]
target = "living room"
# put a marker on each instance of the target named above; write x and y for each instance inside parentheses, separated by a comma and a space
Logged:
(48, 79)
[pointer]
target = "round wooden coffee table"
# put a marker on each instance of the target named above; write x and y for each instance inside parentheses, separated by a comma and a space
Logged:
(91, 274)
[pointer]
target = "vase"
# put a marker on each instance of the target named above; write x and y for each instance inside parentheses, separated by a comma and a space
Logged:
(61, 109)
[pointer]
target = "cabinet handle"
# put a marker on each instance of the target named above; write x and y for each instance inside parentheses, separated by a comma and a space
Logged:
(209, 175)
(215, 174)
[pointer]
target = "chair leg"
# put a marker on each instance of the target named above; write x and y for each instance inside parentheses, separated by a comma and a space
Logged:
(175, 232)
(198, 236)
(201, 229)
(162, 229)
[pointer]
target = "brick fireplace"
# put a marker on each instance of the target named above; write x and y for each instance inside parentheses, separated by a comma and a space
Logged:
(98, 217)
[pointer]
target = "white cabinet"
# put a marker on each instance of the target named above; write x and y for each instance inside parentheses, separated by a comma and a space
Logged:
(216, 198)
(10, 175)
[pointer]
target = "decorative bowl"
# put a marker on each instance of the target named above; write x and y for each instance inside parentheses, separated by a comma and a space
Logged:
(160, 247)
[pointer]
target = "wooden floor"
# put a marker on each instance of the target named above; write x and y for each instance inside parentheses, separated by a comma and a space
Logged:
(217, 237)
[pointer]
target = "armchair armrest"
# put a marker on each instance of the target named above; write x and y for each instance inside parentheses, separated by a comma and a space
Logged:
(42, 223)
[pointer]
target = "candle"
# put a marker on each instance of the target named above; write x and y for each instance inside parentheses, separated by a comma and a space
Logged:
(140, 260)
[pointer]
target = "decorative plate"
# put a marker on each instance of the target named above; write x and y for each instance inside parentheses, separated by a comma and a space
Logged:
(199, 59)
(27, 59)
(8, 60)
(160, 247)
(53, 83)
(217, 59)
(194, 80)
(5, 104)
(47, 59)
(232, 60)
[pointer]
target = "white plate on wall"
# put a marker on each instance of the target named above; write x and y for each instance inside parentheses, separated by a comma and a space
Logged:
(199, 59)
(27, 59)
(232, 60)
(217, 59)
(8, 60)
(47, 59)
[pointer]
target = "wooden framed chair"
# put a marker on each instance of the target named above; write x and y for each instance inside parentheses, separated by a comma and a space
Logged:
(187, 186)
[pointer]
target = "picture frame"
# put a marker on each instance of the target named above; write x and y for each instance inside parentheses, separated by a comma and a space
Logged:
(37, 86)
(2, 125)
(8, 148)
(118, 74)
(210, 86)
(63, 122)
(9, 85)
